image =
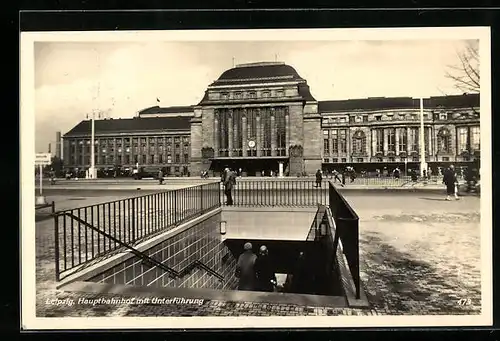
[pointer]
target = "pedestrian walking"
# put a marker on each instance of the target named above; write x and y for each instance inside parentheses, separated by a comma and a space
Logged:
(451, 182)
(229, 183)
(266, 278)
(160, 177)
(319, 178)
(245, 268)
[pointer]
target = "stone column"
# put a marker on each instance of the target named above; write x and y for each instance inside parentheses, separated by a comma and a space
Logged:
(244, 133)
(429, 141)
(287, 127)
(273, 134)
(348, 144)
(147, 151)
(330, 143)
(258, 142)
(374, 142)
(280, 169)
(386, 144)
(216, 135)
(397, 141)
(408, 142)
(123, 151)
(230, 133)
(236, 136)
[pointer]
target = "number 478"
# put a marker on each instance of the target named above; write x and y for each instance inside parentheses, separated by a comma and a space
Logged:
(464, 301)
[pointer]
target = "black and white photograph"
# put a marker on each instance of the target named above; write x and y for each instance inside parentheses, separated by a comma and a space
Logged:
(256, 178)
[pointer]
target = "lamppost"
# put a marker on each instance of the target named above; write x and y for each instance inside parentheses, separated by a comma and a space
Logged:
(423, 163)
(92, 170)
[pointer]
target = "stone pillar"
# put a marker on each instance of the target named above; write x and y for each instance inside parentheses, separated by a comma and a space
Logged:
(408, 142)
(374, 142)
(259, 140)
(216, 135)
(236, 135)
(273, 134)
(287, 127)
(330, 143)
(148, 161)
(386, 144)
(244, 132)
(429, 141)
(195, 164)
(123, 151)
(397, 141)
(230, 133)
(115, 151)
(280, 169)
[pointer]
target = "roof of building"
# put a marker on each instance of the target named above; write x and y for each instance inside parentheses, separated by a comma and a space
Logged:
(132, 124)
(261, 72)
(166, 110)
(383, 103)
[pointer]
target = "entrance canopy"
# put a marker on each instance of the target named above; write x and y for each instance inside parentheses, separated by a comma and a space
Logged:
(250, 165)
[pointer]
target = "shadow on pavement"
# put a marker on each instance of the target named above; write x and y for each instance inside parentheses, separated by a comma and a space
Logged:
(396, 283)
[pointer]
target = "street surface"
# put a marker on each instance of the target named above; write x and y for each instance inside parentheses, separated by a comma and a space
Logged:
(419, 255)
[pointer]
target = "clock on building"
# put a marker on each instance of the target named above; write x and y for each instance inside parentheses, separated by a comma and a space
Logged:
(251, 144)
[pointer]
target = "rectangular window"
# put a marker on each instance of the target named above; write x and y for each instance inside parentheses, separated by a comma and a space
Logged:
(391, 159)
(326, 160)
(462, 139)
(143, 158)
(119, 159)
(413, 142)
(186, 158)
(343, 141)
(403, 139)
(378, 118)
(391, 140)
(326, 146)
(443, 116)
(475, 140)
(365, 118)
(160, 158)
(446, 158)
(152, 158)
(127, 159)
(379, 138)
(177, 158)
(335, 160)
(335, 141)
(344, 159)
(360, 159)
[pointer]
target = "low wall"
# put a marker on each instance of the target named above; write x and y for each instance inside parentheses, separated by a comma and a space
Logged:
(281, 223)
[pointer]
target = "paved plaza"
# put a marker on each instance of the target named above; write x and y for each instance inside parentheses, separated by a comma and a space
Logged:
(419, 255)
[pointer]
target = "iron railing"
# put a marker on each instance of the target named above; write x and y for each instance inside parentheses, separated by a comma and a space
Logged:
(278, 192)
(347, 224)
(128, 221)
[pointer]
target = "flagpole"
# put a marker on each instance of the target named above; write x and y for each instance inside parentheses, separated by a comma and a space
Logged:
(423, 164)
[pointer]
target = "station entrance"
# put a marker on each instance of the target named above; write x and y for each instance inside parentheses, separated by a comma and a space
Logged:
(256, 166)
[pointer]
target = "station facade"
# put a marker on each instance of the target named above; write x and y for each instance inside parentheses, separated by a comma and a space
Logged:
(262, 117)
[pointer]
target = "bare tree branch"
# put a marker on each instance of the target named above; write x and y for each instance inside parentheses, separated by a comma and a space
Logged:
(465, 74)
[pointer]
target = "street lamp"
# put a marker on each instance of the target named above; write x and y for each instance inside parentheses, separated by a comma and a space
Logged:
(92, 170)
(423, 163)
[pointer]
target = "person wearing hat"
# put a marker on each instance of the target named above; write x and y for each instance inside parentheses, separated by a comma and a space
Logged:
(245, 268)
(266, 278)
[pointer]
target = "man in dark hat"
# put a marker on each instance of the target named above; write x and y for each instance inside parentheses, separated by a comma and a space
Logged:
(245, 268)
(450, 180)
(266, 278)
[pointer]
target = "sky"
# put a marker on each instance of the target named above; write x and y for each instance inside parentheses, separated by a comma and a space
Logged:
(121, 78)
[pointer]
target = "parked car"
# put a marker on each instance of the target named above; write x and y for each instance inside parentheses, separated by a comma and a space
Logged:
(146, 172)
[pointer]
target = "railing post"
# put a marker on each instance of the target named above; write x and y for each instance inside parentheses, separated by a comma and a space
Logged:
(175, 206)
(201, 199)
(56, 245)
(134, 216)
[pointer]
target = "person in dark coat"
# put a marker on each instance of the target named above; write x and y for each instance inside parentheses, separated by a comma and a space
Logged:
(245, 269)
(266, 278)
(300, 277)
(229, 183)
(160, 177)
(450, 180)
(319, 178)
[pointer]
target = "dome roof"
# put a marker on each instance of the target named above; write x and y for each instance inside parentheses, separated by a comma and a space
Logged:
(261, 72)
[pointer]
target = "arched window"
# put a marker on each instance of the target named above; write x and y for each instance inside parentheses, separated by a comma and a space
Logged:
(444, 140)
(359, 142)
